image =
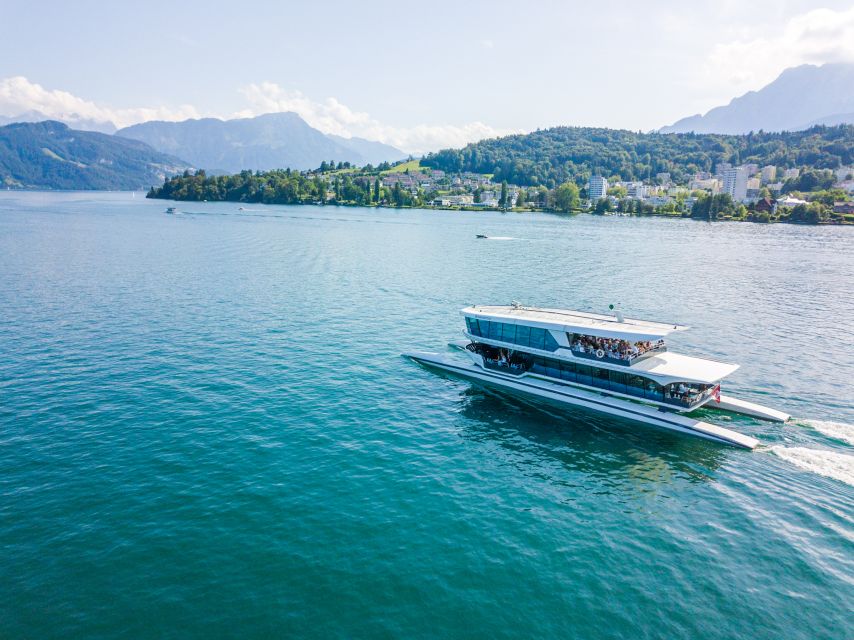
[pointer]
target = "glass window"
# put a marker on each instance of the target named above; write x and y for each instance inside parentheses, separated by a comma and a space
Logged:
(550, 342)
(584, 374)
(495, 330)
(523, 335)
(600, 378)
(471, 324)
(538, 338)
(552, 368)
(653, 391)
(567, 371)
(508, 332)
(618, 381)
(539, 366)
(483, 328)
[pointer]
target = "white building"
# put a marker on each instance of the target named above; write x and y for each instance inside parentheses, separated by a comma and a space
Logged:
(708, 184)
(791, 173)
(597, 188)
(769, 173)
(637, 190)
(789, 201)
(721, 168)
(843, 173)
(735, 183)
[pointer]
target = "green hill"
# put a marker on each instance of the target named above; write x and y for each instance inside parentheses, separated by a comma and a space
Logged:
(551, 156)
(49, 155)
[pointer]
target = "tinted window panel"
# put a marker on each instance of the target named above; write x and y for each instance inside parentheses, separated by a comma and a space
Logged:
(508, 332)
(495, 330)
(550, 342)
(538, 338)
(523, 335)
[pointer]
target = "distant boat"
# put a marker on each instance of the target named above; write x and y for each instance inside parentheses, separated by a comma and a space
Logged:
(480, 235)
(170, 210)
(241, 209)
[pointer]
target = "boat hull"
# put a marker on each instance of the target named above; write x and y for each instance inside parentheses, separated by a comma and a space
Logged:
(571, 396)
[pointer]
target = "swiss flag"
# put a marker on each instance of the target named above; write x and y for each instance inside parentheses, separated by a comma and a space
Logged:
(717, 393)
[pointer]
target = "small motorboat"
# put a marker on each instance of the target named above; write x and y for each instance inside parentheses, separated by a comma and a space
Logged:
(170, 210)
(482, 237)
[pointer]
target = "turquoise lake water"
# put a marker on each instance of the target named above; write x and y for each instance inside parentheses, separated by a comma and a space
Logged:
(206, 429)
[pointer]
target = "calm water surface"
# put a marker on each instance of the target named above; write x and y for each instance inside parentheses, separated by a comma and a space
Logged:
(206, 429)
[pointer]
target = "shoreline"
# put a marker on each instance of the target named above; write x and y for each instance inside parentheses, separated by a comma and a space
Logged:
(667, 216)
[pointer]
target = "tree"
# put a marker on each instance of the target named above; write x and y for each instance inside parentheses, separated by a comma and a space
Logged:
(603, 206)
(520, 199)
(566, 197)
(377, 190)
(320, 187)
(812, 213)
(502, 201)
(710, 207)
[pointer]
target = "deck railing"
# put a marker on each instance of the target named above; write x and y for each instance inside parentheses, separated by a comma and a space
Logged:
(626, 362)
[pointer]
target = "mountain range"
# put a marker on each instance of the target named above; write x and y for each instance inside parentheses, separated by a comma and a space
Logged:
(798, 99)
(270, 141)
(50, 155)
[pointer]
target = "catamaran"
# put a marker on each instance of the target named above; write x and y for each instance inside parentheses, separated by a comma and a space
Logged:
(604, 363)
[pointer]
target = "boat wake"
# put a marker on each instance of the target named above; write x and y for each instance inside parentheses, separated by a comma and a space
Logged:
(831, 464)
(835, 430)
(499, 238)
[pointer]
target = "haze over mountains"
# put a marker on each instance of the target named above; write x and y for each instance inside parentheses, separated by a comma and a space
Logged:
(270, 141)
(798, 99)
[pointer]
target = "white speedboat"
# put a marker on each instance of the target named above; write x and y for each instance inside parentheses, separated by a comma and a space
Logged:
(609, 364)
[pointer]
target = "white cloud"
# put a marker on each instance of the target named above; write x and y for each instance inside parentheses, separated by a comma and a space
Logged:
(331, 116)
(18, 95)
(817, 37)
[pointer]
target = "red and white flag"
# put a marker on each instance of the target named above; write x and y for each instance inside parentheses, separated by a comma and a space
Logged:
(717, 393)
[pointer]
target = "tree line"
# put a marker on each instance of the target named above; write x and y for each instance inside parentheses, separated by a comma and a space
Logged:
(551, 157)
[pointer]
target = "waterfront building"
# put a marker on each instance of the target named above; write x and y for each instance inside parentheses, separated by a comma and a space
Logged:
(597, 188)
(735, 183)
(769, 173)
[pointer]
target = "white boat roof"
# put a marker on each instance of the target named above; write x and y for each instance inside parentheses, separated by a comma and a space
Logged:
(669, 367)
(593, 324)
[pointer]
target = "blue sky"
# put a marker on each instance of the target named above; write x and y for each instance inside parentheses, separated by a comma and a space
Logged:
(418, 75)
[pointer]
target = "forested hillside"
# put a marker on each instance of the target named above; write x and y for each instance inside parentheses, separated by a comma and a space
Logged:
(49, 155)
(551, 156)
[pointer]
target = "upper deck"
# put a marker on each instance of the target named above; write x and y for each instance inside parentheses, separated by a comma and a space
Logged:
(591, 324)
(603, 341)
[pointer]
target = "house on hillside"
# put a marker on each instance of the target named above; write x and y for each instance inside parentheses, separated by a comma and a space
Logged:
(765, 204)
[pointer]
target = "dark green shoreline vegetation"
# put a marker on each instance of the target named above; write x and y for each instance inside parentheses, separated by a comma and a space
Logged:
(551, 169)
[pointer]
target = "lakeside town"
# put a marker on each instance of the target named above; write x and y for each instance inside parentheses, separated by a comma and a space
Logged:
(746, 192)
(753, 190)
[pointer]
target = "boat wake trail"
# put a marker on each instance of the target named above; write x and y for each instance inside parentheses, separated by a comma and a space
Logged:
(500, 238)
(831, 464)
(835, 430)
